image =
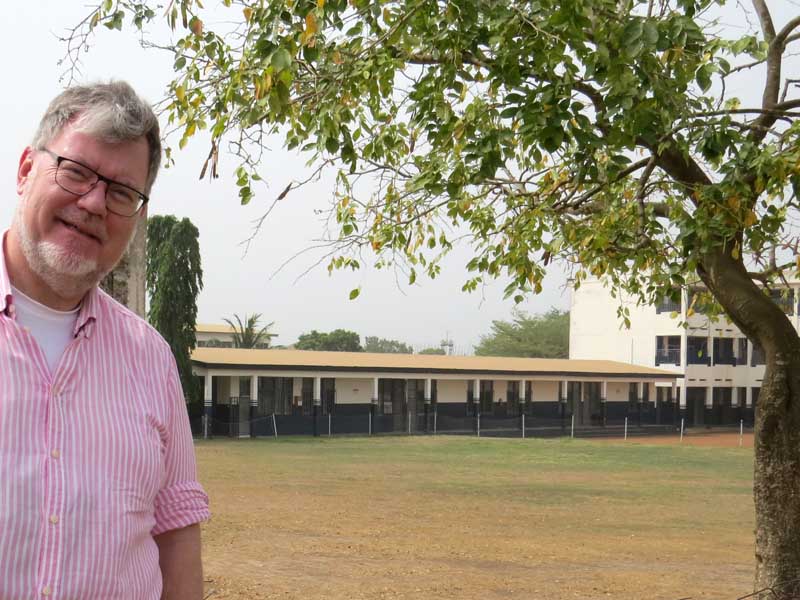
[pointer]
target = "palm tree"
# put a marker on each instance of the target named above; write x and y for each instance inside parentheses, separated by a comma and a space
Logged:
(246, 333)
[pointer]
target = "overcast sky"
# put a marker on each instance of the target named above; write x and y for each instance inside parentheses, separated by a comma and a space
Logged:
(234, 282)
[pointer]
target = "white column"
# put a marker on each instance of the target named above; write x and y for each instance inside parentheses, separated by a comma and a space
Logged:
(603, 391)
(375, 390)
(640, 391)
(562, 391)
(208, 389)
(254, 390)
(428, 390)
(684, 346)
(317, 390)
(476, 390)
(748, 395)
(709, 396)
(523, 391)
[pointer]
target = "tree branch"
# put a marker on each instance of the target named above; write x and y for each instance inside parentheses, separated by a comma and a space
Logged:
(767, 28)
(772, 85)
(782, 37)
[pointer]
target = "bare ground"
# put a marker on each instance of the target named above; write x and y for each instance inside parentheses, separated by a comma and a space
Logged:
(288, 527)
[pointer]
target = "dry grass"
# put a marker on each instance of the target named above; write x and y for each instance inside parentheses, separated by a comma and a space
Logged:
(461, 518)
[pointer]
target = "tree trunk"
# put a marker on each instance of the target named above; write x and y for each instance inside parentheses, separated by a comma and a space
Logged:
(126, 283)
(776, 481)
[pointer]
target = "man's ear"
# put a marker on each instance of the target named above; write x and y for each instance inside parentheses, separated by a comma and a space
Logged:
(24, 170)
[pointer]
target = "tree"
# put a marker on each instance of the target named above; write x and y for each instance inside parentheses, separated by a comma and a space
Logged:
(338, 340)
(174, 279)
(540, 336)
(432, 351)
(246, 333)
(384, 346)
(601, 133)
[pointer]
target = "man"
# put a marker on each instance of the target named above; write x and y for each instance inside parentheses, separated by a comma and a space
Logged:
(98, 490)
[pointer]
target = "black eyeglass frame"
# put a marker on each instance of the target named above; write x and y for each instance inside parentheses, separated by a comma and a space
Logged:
(143, 198)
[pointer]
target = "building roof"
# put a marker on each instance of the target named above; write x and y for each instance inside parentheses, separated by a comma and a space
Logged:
(241, 358)
(213, 328)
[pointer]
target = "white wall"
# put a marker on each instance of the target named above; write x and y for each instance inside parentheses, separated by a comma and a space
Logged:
(617, 391)
(544, 391)
(353, 391)
(596, 333)
(451, 390)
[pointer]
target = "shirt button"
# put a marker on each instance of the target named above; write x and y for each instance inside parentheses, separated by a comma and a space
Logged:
(46, 590)
(54, 519)
(55, 453)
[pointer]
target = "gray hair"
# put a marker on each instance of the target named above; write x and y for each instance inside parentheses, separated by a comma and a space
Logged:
(110, 111)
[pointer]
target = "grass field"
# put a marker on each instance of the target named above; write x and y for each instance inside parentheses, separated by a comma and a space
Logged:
(460, 518)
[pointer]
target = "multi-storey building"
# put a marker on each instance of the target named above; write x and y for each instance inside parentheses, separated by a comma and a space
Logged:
(722, 370)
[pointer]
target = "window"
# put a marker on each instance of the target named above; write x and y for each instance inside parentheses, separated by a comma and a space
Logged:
(391, 396)
(668, 349)
(670, 304)
(741, 395)
(784, 299)
(328, 390)
(275, 395)
(759, 358)
(307, 395)
(664, 395)
(512, 399)
(723, 351)
(214, 343)
(741, 351)
(487, 397)
(591, 391)
(470, 400)
(697, 351)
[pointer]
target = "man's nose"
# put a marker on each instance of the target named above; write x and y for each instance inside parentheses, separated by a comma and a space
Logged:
(94, 201)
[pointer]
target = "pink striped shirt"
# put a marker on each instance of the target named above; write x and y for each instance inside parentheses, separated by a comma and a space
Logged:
(95, 459)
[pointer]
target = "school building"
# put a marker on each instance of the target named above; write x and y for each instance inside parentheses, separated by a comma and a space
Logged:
(721, 370)
(255, 392)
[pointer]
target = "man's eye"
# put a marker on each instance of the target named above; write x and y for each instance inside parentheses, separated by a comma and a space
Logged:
(75, 172)
(122, 195)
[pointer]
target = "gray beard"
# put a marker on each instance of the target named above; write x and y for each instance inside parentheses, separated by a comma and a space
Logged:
(67, 275)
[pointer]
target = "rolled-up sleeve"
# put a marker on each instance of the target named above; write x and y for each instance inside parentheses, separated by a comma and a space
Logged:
(181, 501)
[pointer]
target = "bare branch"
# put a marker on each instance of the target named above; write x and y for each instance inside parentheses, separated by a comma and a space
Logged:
(764, 16)
(772, 85)
(782, 38)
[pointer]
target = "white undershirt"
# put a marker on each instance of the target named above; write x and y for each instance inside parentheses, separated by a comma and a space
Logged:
(52, 329)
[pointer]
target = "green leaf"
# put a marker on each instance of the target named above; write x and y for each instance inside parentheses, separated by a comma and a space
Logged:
(281, 59)
(703, 77)
(650, 33)
(354, 293)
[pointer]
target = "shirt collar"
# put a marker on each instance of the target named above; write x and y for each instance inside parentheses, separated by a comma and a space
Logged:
(89, 305)
(6, 301)
(88, 313)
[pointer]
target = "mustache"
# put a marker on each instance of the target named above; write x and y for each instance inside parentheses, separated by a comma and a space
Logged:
(85, 222)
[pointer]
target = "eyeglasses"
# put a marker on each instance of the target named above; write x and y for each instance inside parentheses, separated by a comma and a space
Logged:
(76, 178)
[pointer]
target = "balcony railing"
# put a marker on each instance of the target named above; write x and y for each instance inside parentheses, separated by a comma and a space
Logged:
(668, 306)
(671, 356)
(725, 359)
(693, 358)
